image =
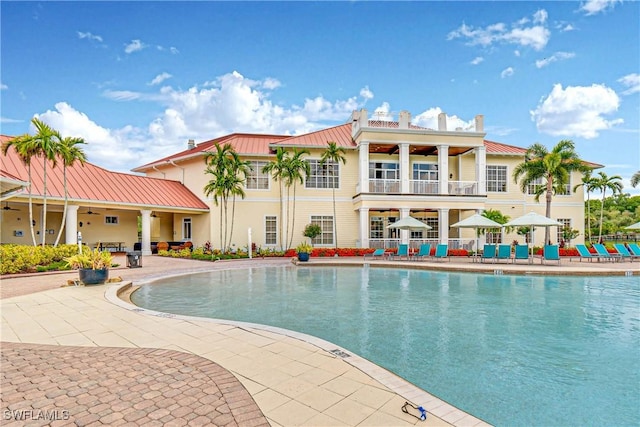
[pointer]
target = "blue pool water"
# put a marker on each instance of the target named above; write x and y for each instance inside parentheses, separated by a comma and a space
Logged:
(512, 350)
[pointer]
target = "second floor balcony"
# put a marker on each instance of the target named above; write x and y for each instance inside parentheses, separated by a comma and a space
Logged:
(427, 187)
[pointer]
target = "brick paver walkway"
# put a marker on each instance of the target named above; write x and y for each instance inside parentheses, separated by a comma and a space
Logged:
(81, 386)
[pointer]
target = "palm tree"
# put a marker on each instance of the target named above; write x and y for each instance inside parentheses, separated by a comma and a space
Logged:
(238, 171)
(217, 167)
(604, 183)
(278, 170)
(297, 170)
(587, 183)
(70, 153)
(335, 155)
(553, 167)
(26, 149)
(497, 216)
(635, 179)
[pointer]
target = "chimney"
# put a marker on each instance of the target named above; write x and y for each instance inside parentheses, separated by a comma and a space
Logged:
(404, 120)
(479, 123)
(191, 144)
(442, 121)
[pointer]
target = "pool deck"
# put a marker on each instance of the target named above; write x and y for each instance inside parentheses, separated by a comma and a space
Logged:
(84, 356)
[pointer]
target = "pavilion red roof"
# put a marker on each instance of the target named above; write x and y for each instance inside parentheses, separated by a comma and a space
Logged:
(93, 183)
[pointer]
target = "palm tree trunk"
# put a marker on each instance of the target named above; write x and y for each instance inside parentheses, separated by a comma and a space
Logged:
(335, 222)
(281, 222)
(604, 190)
(293, 215)
(226, 225)
(33, 234)
(589, 216)
(66, 202)
(221, 236)
(44, 205)
(547, 231)
(286, 229)
(233, 215)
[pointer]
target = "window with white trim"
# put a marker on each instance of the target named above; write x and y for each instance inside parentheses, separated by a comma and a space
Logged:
(384, 170)
(496, 179)
(323, 175)
(531, 188)
(566, 222)
(376, 227)
(186, 228)
(256, 179)
(270, 230)
(111, 220)
(326, 225)
(425, 171)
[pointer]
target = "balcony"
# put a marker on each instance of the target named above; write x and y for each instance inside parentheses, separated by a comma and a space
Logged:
(383, 186)
(392, 186)
(463, 188)
(424, 187)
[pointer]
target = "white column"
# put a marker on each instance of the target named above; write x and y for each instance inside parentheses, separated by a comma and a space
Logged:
(443, 225)
(404, 234)
(404, 167)
(71, 225)
(443, 168)
(481, 170)
(146, 231)
(364, 227)
(364, 166)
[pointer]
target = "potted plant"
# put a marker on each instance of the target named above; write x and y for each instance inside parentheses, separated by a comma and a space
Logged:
(304, 251)
(92, 265)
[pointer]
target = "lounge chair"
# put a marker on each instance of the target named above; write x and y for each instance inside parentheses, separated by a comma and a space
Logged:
(504, 253)
(604, 253)
(442, 251)
(378, 253)
(489, 252)
(403, 251)
(424, 251)
(551, 253)
(584, 253)
(521, 252)
(634, 248)
(624, 252)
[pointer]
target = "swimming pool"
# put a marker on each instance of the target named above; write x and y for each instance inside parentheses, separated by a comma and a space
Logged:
(512, 350)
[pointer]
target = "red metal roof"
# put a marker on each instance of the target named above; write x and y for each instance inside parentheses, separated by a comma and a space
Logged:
(93, 183)
(242, 143)
(340, 134)
(499, 148)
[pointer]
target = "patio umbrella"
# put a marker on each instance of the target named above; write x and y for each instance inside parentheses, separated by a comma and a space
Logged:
(532, 219)
(477, 221)
(409, 223)
(635, 226)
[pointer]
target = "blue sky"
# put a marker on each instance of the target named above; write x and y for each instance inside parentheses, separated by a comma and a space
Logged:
(138, 79)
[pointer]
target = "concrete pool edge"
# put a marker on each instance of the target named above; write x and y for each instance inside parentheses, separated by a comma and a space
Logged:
(401, 387)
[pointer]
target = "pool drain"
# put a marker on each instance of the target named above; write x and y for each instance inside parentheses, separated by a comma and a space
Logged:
(339, 353)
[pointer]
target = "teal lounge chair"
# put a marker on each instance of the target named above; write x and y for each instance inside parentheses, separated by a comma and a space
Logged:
(424, 251)
(624, 252)
(584, 253)
(604, 253)
(489, 253)
(634, 248)
(551, 253)
(378, 253)
(504, 253)
(442, 251)
(521, 252)
(403, 251)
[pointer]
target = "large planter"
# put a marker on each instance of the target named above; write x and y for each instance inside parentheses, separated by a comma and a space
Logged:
(303, 256)
(89, 276)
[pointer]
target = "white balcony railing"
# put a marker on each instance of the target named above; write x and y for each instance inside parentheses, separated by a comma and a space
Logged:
(384, 185)
(463, 188)
(424, 187)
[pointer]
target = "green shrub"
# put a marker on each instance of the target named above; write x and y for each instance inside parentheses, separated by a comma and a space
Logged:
(26, 259)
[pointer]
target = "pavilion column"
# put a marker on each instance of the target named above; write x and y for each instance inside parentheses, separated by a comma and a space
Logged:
(404, 167)
(481, 170)
(71, 225)
(364, 227)
(404, 234)
(146, 231)
(443, 168)
(363, 158)
(443, 225)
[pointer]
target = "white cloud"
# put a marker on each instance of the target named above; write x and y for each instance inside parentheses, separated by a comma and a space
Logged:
(577, 111)
(429, 119)
(160, 78)
(477, 60)
(229, 103)
(593, 7)
(632, 81)
(507, 72)
(558, 56)
(89, 36)
(3, 86)
(134, 46)
(536, 35)
(172, 50)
